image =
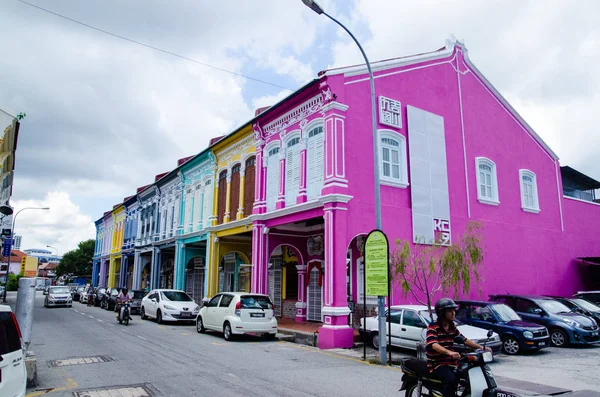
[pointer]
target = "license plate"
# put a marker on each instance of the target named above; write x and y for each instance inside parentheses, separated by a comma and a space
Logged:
(257, 314)
(542, 344)
(185, 314)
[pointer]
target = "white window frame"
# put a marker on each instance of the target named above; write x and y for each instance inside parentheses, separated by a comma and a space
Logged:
(535, 208)
(402, 181)
(266, 157)
(314, 182)
(291, 190)
(494, 200)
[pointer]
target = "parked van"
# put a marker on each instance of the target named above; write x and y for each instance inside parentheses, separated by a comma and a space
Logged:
(13, 374)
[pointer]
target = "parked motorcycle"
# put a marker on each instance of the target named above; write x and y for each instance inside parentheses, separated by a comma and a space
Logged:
(474, 374)
(124, 316)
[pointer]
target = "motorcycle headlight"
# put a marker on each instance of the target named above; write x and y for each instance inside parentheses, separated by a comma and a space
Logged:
(572, 323)
(528, 334)
(487, 357)
(169, 307)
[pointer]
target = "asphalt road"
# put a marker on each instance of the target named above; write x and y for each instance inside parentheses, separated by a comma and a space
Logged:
(174, 360)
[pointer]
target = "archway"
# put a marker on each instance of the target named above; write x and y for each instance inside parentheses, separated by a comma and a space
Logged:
(166, 274)
(355, 275)
(145, 277)
(195, 271)
(283, 279)
(234, 272)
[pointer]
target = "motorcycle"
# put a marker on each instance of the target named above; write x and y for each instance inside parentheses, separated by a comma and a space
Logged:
(90, 299)
(124, 316)
(474, 374)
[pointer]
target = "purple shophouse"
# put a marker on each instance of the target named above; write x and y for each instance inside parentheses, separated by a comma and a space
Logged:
(452, 150)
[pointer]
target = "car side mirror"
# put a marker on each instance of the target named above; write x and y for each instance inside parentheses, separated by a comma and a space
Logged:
(153, 300)
(490, 333)
(539, 312)
(204, 304)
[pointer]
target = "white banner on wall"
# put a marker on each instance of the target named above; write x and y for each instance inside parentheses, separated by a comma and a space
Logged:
(428, 177)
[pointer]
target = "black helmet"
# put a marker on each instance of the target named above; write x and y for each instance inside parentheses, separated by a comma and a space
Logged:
(443, 304)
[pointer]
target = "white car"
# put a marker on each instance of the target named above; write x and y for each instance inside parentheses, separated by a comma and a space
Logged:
(237, 313)
(169, 305)
(409, 328)
(58, 296)
(13, 374)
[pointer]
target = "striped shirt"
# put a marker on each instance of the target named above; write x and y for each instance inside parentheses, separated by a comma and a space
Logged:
(437, 334)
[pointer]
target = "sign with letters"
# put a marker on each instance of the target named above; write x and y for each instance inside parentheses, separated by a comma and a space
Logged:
(376, 264)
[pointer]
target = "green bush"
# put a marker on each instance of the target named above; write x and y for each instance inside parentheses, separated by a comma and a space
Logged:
(13, 281)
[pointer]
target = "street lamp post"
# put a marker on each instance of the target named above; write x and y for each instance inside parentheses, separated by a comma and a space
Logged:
(49, 246)
(380, 300)
(12, 233)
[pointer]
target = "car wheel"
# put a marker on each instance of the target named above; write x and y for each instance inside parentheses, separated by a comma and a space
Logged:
(227, 332)
(558, 338)
(158, 317)
(510, 345)
(200, 325)
(143, 314)
(375, 340)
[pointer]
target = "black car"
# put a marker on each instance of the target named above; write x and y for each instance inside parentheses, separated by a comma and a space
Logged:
(516, 335)
(109, 302)
(136, 304)
(79, 292)
(581, 306)
(100, 294)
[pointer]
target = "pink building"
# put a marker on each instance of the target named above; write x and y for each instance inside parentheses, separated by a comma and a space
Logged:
(452, 149)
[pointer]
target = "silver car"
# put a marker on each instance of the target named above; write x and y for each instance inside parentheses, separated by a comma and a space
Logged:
(58, 296)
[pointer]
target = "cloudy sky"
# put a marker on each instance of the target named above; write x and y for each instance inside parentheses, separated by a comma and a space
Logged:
(104, 115)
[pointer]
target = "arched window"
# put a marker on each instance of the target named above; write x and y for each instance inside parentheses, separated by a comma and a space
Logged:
(315, 160)
(272, 177)
(529, 192)
(393, 165)
(487, 181)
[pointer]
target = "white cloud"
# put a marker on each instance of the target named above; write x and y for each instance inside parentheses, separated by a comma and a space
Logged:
(63, 226)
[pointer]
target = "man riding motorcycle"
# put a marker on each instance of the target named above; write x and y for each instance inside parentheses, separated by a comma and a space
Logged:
(123, 297)
(441, 358)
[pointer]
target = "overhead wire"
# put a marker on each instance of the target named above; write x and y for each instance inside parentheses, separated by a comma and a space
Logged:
(154, 47)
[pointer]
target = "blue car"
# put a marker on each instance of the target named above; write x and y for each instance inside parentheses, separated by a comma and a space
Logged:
(516, 335)
(565, 327)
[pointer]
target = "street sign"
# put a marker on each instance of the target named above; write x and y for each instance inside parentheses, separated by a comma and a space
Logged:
(376, 264)
(6, 247)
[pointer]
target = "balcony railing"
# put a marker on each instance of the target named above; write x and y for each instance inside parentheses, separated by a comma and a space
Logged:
(586, 195)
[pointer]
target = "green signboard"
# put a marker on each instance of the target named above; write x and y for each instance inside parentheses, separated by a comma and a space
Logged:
(376, 264)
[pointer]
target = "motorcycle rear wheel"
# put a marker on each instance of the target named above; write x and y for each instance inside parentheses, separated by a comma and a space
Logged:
(412, 392)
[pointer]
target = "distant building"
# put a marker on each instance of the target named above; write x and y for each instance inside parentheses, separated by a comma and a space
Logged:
(17, 243)
(44, 256)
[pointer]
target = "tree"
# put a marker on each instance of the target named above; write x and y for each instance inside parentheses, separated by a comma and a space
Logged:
(426, 269)
(77, 261)
(13, 281)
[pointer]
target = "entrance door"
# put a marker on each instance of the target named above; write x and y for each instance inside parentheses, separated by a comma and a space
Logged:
(315, 301)
(275, 283)
(194, 280)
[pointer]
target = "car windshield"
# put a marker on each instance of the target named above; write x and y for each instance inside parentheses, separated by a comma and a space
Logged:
(425, 315)
(59, 290)
(80, 289)
(175, 296)
(590, 307)
(137, 294)
(114, 292)
(255, 302)
(553, 306)
(505, 313)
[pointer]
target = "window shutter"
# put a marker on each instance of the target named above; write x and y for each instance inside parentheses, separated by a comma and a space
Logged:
(188, 208)
(249, 186)
(197, 209)
(207, 209)
(315, 165)
(272, 181)
(234, 199)
(292, 177)
(222, 196)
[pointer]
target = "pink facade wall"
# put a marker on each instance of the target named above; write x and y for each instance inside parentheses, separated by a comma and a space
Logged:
(525, 252)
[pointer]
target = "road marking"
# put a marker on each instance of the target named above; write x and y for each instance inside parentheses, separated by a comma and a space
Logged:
(184, 334)
(162, 327)
(232, 375)
(100, 320)
(80, 360)
(71, 384)
(221, 344)
(112, 325)
(141, 337)
(91, 316)
(124, 330)
(82, 313)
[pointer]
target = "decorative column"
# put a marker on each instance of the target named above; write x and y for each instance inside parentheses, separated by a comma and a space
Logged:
(260, 259)
(155, 277)
(123, 271)
(302, 196)
(137, 271)
(179, 266)
(240, 212)
(335, 158)
(335, 332)
(95, 271)
(213, 266)
(260, 202)
(227, 216)
(301, 304)
(215, 217)
(111, 272)
(281, 194)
